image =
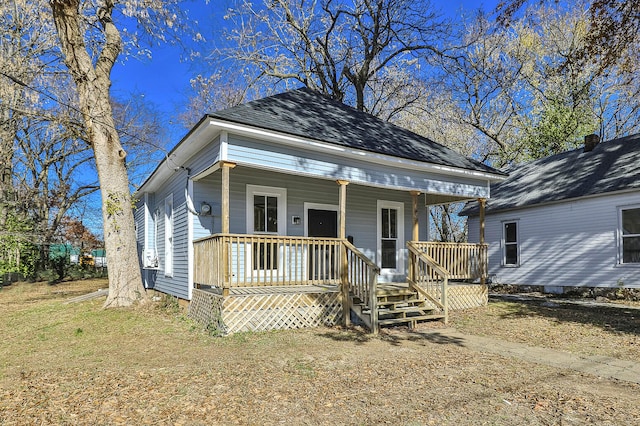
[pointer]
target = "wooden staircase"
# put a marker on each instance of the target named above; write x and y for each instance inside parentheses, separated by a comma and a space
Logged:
(397, 304)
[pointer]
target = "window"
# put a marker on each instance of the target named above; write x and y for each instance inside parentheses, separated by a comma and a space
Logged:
(630, 235)
(390, 236)
(266, 214)
(168, 236)
(510, 255)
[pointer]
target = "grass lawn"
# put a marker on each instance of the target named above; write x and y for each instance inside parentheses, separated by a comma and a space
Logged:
(80, 364)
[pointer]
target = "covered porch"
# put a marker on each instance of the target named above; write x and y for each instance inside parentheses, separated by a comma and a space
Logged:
(263, 281)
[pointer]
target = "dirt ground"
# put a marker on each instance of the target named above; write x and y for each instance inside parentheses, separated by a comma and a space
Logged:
(79, 364)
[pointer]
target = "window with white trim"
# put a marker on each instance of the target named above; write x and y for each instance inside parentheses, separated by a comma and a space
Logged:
(266, 214)
(630, 235)
(391, 236)
(168, 235)
(510, 245)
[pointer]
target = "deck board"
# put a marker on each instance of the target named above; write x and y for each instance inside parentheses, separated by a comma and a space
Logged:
(285, 289)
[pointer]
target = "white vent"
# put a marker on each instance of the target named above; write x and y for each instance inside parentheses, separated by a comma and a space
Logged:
(150, 259)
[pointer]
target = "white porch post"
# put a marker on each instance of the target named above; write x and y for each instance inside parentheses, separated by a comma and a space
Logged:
(342, 234)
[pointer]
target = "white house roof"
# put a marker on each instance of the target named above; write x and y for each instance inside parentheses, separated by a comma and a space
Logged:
(610, 167)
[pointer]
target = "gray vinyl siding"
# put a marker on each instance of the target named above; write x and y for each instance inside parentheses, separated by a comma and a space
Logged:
(139, 218)
(205, 158)
(361, 221)
(565, 244)
(145, 234)
(315, 164)
(177, 284)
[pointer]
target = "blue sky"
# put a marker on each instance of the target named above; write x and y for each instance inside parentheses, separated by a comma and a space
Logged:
(164, 80)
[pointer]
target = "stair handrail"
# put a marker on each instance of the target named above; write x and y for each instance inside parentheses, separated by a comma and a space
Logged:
(414, 278)
(360, 278)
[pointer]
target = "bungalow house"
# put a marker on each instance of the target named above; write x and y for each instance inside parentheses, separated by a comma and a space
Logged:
(571, 219)
(296, 210)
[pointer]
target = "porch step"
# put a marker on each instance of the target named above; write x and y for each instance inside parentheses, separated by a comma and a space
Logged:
(397, 304)
(412, 319)
(403, 310)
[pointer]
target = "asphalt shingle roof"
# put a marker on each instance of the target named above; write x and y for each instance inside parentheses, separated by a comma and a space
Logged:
(611, 166)
(308, 114)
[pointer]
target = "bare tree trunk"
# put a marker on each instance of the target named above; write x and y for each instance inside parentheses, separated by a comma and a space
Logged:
(7, 138)
(93, 83)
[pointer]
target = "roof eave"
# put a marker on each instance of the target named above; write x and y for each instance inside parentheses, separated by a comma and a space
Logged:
(369, 156)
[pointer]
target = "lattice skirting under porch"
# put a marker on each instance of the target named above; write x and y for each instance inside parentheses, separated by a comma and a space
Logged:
(206, 309)
(265, 311)
(465, 296)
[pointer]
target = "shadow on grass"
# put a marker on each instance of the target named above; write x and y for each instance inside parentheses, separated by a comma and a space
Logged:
(349, 334)
(618, 319)
(436, 337)
(393, 337)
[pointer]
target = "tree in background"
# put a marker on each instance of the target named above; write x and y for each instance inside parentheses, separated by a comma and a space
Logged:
(24, 40)
(525, 94)
(501, 93)
(614, 28)
(47, 160)
(364, 53)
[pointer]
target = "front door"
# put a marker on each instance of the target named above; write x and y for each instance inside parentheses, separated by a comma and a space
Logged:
(322, 258)
(322, 223)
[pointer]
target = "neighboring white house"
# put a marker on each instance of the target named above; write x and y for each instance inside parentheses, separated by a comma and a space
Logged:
(279, 166)
(571, 219)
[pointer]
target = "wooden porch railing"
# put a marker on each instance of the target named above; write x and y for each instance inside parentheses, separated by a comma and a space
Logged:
(463, 261)
(428, 278)
(360, 278)
(240, 260)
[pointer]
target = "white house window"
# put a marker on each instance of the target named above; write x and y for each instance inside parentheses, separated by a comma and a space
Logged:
(168, 235)
(390, 236)
(389, 242)
(630, 227)
(510, 246)
(266, 214)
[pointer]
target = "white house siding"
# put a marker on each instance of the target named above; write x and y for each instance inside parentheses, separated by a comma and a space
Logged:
(339, 166)
(565, 244)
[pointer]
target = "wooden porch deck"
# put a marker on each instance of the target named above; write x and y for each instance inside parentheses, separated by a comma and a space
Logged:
(281, 289)
(266, 282)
